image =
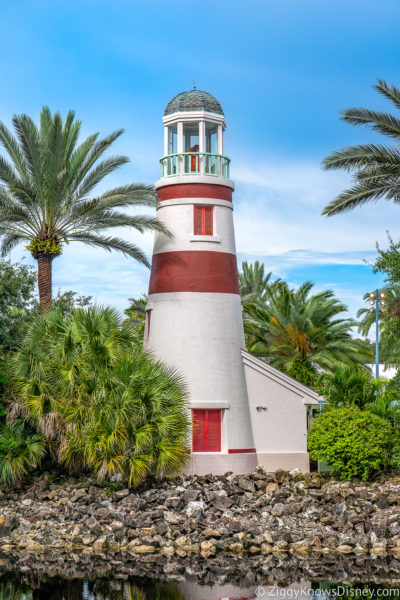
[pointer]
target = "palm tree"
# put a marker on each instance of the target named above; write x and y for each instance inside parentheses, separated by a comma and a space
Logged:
(293, 330)
(46, 198)
(100, 401)
(350, 384)
(375, 167)
(252, 280)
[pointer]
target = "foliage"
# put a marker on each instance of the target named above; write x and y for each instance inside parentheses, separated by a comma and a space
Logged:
(347, 385)
(389, 325)
(49, 247)
(395, 457)
(20, 452)
(355, 442)
(137, 313)
(290, 328)
(375, 168)
(98, 398)
(388, 261)
(17, 292)
(46, 198)
(253, 281)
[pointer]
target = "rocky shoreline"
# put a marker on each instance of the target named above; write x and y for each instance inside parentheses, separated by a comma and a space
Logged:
(264, 516)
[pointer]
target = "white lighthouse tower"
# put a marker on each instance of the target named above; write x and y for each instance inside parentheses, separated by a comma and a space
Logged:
(194, 315)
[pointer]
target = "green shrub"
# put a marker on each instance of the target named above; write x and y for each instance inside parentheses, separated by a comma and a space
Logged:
(21, 451)
(355, 442)
(101, 402)
(395, 457)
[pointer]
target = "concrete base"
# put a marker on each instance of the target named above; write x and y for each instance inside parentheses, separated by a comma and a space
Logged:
(203, 463)
(271, 461)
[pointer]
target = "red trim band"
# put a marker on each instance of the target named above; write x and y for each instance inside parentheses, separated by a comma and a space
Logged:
(194, 271)
(194, 190)
(241, 450)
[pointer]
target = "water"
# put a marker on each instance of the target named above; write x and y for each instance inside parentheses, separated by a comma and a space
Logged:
(30, 586)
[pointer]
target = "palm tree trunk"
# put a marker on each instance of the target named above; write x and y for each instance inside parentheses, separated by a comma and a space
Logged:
(44, 281)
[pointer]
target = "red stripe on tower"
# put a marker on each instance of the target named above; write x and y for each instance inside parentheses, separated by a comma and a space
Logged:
(194, 271)
(194, 190)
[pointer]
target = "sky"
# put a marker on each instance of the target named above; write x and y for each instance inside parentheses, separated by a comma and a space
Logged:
(282, 71)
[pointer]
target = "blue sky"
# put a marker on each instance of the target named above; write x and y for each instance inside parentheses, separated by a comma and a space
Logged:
(282, 72)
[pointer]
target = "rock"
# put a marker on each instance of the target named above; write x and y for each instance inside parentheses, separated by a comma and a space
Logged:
(196, 507)
(191, 495)
(281, 475)
(344, 549)
(172, 518)
(222, 502)
(278, 510)
(207, 548)
(236, 547)
(300, 547)
(121, 494)
(266, 549)
(245, 484)
(26, 502)
(212, 533)
(100, 544)
(281, 545)
(102, 513)
(271, 488)
(141, 549)
(267, 537)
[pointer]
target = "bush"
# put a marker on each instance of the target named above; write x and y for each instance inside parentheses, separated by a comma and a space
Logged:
(355, 442)
(20, 452)
(100, 401)
(395, 457)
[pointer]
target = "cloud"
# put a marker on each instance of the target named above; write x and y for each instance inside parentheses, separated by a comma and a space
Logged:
(278, 212)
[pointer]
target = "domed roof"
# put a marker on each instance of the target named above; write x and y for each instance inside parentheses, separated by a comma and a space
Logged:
(193, 100)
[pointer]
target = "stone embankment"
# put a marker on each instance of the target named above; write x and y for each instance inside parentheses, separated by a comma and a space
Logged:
(257, 515)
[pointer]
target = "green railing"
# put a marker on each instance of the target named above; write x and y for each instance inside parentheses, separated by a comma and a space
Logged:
(192, 163)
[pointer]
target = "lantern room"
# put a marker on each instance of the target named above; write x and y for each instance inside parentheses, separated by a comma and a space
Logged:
(194, 125)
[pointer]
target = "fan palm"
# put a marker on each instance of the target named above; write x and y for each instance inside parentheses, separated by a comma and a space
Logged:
(20, 451)
(375, 167)
(293, 328)
(101, 402)
(45, 196)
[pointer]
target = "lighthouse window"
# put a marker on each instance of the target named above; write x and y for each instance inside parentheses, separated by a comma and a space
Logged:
(206, 430)
(203, 220)
(191, 137)
(172, 139)
(211, 138)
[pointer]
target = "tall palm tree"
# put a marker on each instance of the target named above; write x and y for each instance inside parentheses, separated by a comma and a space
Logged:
(45, 196)
(375, 167)
(293, 329)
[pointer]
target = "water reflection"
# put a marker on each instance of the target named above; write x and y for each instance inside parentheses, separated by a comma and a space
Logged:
(30, 587)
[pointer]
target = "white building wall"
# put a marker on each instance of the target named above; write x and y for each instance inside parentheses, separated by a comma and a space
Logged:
(278, 412)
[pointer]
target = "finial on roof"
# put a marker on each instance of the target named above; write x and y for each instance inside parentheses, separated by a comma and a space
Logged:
(194, 85)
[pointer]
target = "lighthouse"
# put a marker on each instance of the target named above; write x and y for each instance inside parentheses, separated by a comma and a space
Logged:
(244, 411)
(194, 314)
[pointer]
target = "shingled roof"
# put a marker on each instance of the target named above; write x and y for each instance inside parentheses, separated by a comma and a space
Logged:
(193, 100)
